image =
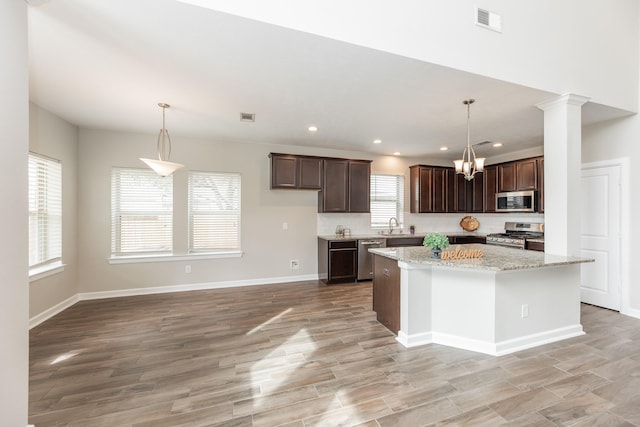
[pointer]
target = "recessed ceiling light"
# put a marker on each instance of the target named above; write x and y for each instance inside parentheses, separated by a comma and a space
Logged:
(313, 128)
(377, 141)
(397, 153)
(497, 144)
(444, 148)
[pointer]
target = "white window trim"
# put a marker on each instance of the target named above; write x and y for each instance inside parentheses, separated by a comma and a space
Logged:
(170, 258)
(45, 270)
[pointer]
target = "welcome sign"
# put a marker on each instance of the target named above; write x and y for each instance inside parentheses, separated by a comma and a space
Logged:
(459, 253)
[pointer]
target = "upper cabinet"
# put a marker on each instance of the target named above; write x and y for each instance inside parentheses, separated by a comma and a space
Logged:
(518, 176)
(429, 189)
(490, 188)
(298, 172)
(346, 186)
(440, 189)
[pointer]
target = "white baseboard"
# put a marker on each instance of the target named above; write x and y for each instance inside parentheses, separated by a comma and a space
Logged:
(494, 349)
(82, 296)
(50, 312)
(631, 312)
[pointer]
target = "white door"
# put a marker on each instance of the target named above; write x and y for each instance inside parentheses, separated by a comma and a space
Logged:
(600, 236)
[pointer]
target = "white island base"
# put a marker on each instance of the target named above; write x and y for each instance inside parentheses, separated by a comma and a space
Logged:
(488, 311)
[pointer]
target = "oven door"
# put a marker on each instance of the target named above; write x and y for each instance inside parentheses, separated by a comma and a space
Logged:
(516, 201)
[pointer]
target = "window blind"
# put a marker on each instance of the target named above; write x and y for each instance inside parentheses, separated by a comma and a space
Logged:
(387, 199)
(45, 210)
(214, 211)
(141, 212)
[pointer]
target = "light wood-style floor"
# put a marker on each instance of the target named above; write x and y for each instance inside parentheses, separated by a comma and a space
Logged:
(306, 354)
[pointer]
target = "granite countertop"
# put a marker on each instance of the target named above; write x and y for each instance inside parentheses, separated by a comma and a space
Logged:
(496, 258)
(396, 235)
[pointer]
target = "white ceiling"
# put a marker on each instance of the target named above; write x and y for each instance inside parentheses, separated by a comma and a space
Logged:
(106, 64)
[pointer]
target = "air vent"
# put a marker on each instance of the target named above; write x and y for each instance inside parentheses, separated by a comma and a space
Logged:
(489, 20)
(247, 117)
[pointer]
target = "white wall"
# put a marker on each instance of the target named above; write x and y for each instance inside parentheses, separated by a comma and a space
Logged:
(14, 283)
(587, 47)
(612, 140)
(53, 137)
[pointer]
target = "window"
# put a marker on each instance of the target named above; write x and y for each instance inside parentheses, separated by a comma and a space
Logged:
(141, 212)
(214, 212)
(387, 199)
(45, 211)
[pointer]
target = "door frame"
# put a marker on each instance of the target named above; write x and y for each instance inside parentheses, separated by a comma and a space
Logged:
(623, 163)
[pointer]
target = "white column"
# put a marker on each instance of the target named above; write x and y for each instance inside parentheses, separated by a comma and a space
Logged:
(14, 260)
(562, 173)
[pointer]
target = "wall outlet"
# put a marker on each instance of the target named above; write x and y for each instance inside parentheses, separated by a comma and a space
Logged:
(187, 269)
(525, 310)
(294, 264)
(285, 226)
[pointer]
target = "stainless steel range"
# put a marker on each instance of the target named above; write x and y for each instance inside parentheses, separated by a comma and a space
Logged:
(516, 234)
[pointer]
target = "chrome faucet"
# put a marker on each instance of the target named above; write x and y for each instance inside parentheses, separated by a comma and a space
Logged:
(392, 219)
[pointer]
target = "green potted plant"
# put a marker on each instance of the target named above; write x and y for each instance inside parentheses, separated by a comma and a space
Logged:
(412, 229)
(437, 242)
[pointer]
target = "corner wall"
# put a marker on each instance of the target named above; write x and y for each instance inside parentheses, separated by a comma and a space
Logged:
(53, 137)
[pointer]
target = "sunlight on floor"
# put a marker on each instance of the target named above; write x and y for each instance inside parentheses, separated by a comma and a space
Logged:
(64, 357)
(273, 319)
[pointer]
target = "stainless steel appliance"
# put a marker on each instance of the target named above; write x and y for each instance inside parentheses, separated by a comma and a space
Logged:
(516, 234)
(365, 259)
(516, 201)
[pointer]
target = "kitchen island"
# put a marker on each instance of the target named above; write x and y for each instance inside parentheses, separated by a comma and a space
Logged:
(506, 301)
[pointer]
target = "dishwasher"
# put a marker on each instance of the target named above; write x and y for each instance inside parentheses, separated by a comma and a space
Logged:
(365, 259)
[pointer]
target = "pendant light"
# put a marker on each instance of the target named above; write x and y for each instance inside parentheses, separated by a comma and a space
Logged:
(163, 166)
(469, 165)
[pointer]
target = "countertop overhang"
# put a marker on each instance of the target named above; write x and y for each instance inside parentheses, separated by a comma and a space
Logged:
(496, 258)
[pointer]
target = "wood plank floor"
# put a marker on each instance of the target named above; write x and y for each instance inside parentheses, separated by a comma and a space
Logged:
(306, 354)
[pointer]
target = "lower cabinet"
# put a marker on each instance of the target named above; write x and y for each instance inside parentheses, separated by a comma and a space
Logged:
(386, 292)
(338, 260)
(395, 242)
(463, 240)
(535, 246)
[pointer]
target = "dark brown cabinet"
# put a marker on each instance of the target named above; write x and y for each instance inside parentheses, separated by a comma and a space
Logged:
(469, 194)
(386, 292)
(337, 260)
(535, 246)
(429, 189)
(346, 186)
(359, 186)
(334, 196)
(463, 240)
(395, 242)
(507, 177)
(290, 171)
(490, 183)
(527, 174)
(520, 175)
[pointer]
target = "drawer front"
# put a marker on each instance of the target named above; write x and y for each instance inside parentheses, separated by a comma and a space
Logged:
(343, 244)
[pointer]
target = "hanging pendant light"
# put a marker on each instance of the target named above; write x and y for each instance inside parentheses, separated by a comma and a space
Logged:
(163, 166)
(469, 165)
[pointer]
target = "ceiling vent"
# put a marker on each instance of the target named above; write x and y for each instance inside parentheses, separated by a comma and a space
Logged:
(489, 20)
(247, 117)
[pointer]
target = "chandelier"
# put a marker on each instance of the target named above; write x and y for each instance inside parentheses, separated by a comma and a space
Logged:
(163, 166)
(469, 165)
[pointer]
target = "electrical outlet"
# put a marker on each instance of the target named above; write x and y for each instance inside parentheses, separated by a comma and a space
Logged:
(294, 264)
(525, 310)
(285, 226)
(187, 269)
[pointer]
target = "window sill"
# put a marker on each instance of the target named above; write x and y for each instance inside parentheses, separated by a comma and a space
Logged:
(169, 258)
(43, 271)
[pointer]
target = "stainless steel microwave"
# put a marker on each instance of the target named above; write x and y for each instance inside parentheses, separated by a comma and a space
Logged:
(516, 201)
